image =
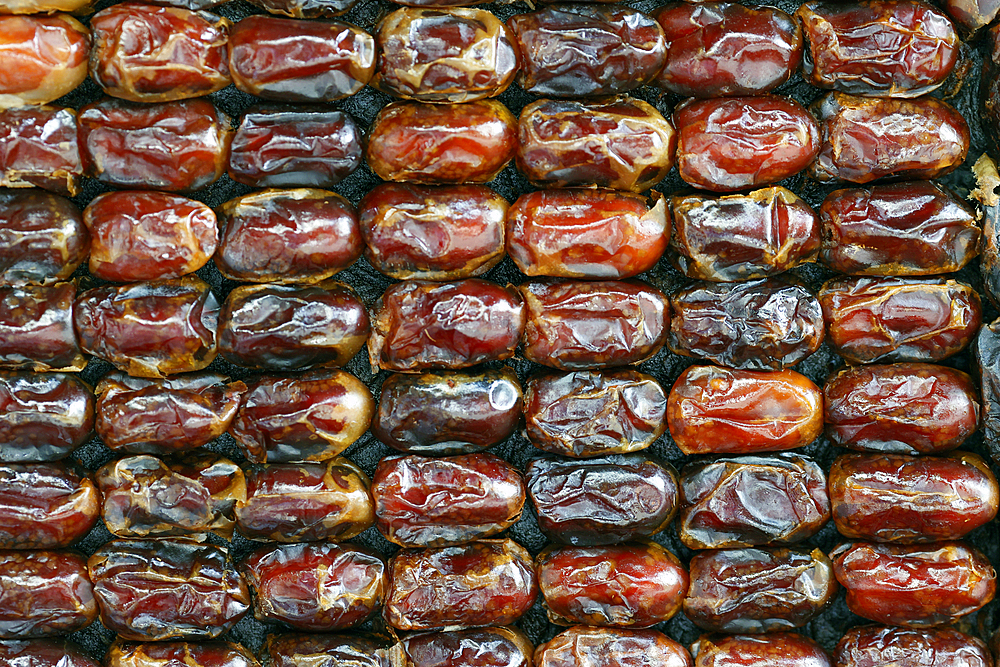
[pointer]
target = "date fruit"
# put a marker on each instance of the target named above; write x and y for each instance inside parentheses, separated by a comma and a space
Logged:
(775, 649)
(179, 654)
(486, 647)
(875, 646)
(321, 650)
(987, 359)
(45, 57)
(45, 594)
(43, 417)
(42, 238)
(38, 148)
(610, 647)
(305, 9)
(36, 328)
(45, 505)
(43, 653)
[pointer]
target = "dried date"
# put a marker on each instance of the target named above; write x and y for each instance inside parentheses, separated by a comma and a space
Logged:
(43, 6)
(179, 654)
(38, 148)
(775, 649)
(486, 647)
(43, 417)
(611, 647)
(45, 505)
(306, 9)
(42, 238)
(43, 653)
(36, 328)
(45, 56)
(45, 594)
(874, 646)
(321, 650)
(987, 358)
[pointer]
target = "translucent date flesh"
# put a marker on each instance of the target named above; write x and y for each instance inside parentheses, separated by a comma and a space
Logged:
(176, 654)
(322, 650)
(45, 505)
(38, 148)
(731, 144)
(611, 647)
(874, 646)
(45, 57)
(723, 411)
(43, 417)
(36, 328)
(916, 586)
(45, 594)
(632, 585)
(487, 647)
(586, 233)
(775, 649)
(42, 238)
(44, 653)
(908, 408)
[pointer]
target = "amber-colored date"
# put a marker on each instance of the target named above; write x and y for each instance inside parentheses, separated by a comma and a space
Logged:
(899, 319)
(323, 650)
(36, 328)
(44, 6)
(723, 411)
(45, 505)
(586, 233)
(42, 238)
(433, 232)
(774, 649)
(487, 647)
(43, 653)
(43, 417)
(38, 148)
(875, 646)
(610, 647)
(914, 585)
(45, 57)
(305, 502)
(750, 501)
(623, 143)
(178, 654)
(45, 594)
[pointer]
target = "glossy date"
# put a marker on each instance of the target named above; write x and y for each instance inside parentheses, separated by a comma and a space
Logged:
(36, 328)
(775, 649)
(43, 417)
(611, 647)
(45, 505)
(42, 238)
(486, 647)
(322, 650)
(45, 56)
(44, 594)
(179, 654)
(43, 653)
(38, 148)
(874, 646)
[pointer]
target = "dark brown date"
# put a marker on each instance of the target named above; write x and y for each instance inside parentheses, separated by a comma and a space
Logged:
(315, 587)
(442, 143)
(754, 325)
(892, 48)
(45, 56)
(305, 502)
(600, 501)
(433, 232)
(282, 147)
(914, 585)
(864, 139)
(45, 505)
(487, 647)
(313, 416)
(174, 146)
(38, 148)
(875, 646)
(45, 594)
(735, 143)
(148, 235)
(611, 647)
(145, 53)
(589, 413)
(300, 61)
(758, 590)
(622, 143)
(36, 328)
(632, 585)
(448, 413)
(718, 49)
(144, 496)
(775, 649)
(444, 55)
(987, 357)
(43, 653)
(425, 502)
(42, 238)
(573, 325)
(489, 582)
(179, 654)
(322, 650)
(579, 50)
(972, 15)
(907, 229)
(150, 329)
(899, 319)
(751, 501)
(419, 325)
(713, 410)
(43, 417)
(901, 408)
(586, 233)
(284, 327)
(306, 9)
(741, 237)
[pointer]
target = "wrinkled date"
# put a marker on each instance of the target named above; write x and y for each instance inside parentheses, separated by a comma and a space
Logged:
(758, 590)
(42, 238)
(444, 55)
(418, 325)
(305, 502)
(146, 497)
(868, 138)
(448, 413)
(179, 654)
(489, 582)
(586, 233)
(152, 590)
(148, 235)
(574, 325)
(713, 410)
(150, 329)
(902, 408)
(319, 650)
(588, 413)
(753, 325)
(287, 236)
(284, 327)
(731, 144)
(281, 147)
(909, 229)
(145, 416)
(610, 647)
(45, 505)
(775, 649)
(424, 502)
(41, 6)
(43, 653)
(899, 319)
(577, 50)
(875, 646)
(45, 56)
(145, 53)
(717, 49)
(741, 237)
(985, 170)
(313, 416)
(600, 501)
(633, 585)
(442, 143)
(38, 148)
(45, 594)
(174, 146)
(36, 328)
(487, 647)
(433, 232)
(895, 48)
(300, 61)
(43, 417)
(750, 501)
(915, 586)
(987, 355)
(315, 587)
(622, 143)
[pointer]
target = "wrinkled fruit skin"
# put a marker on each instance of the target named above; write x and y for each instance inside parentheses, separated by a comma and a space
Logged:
(319, 650)
(45, 56)
(775, 649)
(45, 505)
(874, 645)
(610, 647)
(42, 238)
(38, 148)
(486, 647)
(43, 417)
(45, 594)
(174, 654)
(44, 653)
(36, 328)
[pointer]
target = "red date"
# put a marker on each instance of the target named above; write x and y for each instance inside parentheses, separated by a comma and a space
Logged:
(36, 328)
(45, 594)
(43, 417)
(45, 505)
(38, 148)
(972, 15)
(41, 6)
(45, 57)
(43, 653)
(775, 649)
(611, 647)
(319, 650)
(874, 646)
(179, 654)
(42, 238)
(488, 647)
